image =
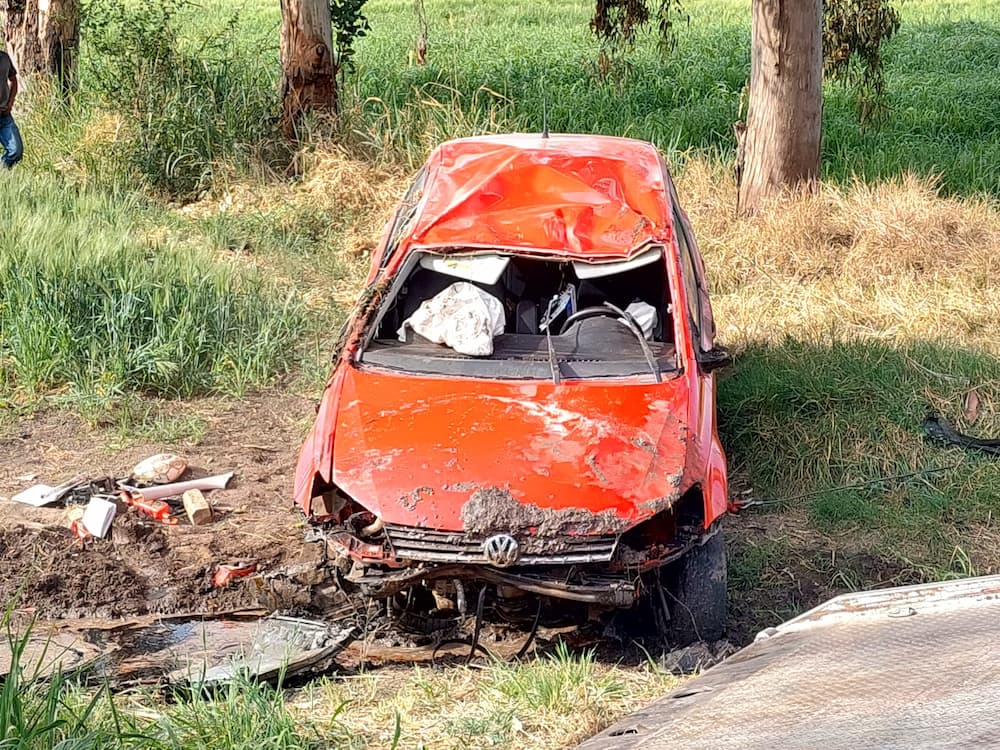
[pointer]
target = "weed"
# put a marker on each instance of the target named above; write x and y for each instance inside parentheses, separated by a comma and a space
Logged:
(85, 300)
(195, 110)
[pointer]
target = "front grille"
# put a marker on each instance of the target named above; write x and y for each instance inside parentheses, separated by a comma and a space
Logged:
(428, 545)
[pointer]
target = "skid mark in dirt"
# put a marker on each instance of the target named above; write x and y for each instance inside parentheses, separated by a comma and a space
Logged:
(144, 566)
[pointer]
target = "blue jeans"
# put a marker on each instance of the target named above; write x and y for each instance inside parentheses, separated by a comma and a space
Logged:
(10, 140)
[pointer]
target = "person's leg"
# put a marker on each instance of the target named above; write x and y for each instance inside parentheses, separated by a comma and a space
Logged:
(10, 139)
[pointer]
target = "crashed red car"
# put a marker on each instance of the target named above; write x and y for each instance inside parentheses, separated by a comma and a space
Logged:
(578, 459)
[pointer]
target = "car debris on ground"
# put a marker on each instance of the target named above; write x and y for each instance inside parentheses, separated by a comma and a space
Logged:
(146, 490)
(191, 650)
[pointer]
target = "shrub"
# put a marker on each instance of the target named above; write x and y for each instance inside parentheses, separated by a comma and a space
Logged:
(192, 105)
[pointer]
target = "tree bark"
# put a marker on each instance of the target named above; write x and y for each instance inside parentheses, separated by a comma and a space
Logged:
(308, 80)
(780, 147)
(42, 37)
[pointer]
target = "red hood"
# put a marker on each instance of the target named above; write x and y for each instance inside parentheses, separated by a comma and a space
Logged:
(579, 195)
(483, 455)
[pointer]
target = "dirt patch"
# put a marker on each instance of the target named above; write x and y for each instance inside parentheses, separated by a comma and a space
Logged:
(43, 570)
(146, 566)
(492, 508)
(779, 567)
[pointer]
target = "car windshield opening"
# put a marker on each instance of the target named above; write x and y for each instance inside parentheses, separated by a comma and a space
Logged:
(537, 318)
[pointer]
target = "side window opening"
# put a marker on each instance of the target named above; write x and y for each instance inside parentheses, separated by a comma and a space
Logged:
(690, 279)
(404, 214)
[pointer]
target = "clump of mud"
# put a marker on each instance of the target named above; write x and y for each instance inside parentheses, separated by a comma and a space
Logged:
(494, 508)
(139, 569)
(49, 572)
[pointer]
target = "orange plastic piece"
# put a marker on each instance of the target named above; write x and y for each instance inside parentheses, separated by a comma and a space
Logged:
(155, 509)
(225, 574)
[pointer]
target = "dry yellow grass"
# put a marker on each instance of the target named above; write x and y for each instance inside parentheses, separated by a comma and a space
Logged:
(892, 261)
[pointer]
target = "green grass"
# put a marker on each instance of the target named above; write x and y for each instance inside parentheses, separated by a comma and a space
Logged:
(490, 66)
(543, 702)
(825, 430)
(89, 301)
(200, 99)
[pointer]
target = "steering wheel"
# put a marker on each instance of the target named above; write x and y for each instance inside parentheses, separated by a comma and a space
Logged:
(606, 310)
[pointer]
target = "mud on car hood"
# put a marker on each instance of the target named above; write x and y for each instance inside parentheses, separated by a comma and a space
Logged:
(482, 456)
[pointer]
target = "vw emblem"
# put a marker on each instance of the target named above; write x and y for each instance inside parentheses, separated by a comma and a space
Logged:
(501, 550)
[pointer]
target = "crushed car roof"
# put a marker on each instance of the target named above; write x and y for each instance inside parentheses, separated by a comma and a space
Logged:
(579, 195)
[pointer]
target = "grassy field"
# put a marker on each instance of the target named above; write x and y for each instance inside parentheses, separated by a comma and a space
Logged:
(176, 252)
(489, 70)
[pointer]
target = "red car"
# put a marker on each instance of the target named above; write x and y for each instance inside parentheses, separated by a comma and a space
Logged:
(524, 400)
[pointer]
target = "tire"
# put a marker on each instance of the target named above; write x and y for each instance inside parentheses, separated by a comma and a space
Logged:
(695, 592)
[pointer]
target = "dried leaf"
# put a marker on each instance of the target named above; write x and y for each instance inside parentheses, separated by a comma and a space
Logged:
(972, 406)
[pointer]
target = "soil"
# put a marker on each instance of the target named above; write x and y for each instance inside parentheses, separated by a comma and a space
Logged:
(146, 566)
(779, 566)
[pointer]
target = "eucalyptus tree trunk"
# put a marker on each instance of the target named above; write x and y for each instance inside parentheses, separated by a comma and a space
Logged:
(42, 37)
(308, 80)
(780, 146)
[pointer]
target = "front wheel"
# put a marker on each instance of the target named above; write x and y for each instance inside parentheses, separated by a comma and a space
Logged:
(695, 591)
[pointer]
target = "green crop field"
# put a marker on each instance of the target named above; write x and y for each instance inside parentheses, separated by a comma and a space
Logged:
(161, 240)
(490, 66)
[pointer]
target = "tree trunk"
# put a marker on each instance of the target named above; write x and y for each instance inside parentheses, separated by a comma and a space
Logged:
(42, 36)
(308, 82)
(781, 144)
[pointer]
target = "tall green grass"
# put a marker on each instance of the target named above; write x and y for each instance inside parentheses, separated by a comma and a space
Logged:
(491, 65)
(166, 103)
(833, 432)
(87, 300)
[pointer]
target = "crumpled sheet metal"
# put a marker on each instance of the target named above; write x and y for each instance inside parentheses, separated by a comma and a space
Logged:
(275, 646)
(184, 650)
(584, 195)
(43, 653)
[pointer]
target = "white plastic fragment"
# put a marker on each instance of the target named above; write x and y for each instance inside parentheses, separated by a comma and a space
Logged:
(37, 495)
(645, 316)
(463, 317)
(162, 468)
(98, 516)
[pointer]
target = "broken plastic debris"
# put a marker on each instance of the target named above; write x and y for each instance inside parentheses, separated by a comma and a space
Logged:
(98, 515)
(463, 317)
(155, 509)
(177, 489)
(163, 468)
(42, 494)
(225, 574)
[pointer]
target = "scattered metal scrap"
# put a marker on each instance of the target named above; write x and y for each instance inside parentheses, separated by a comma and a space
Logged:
(177, 651)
